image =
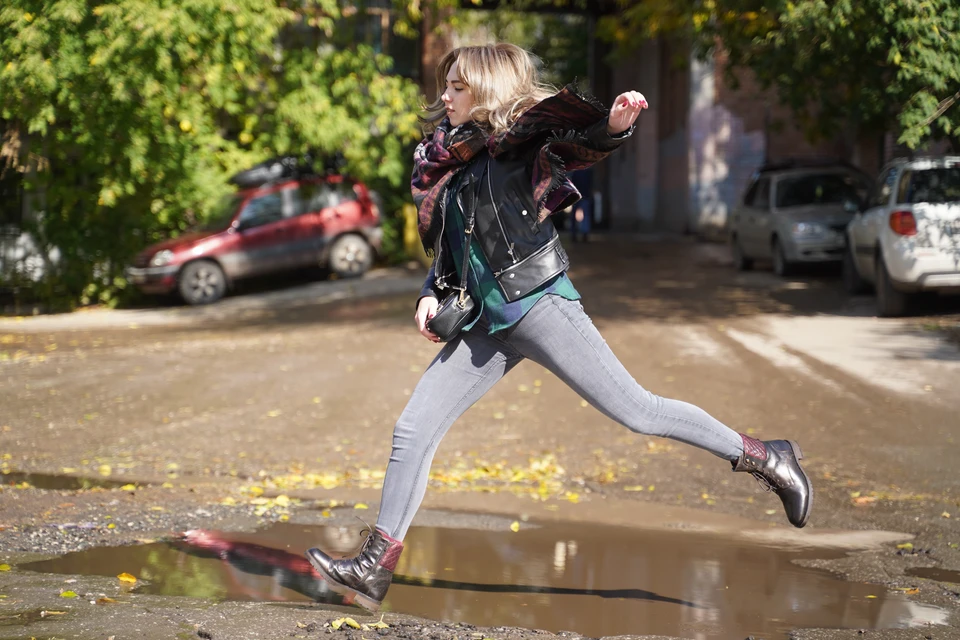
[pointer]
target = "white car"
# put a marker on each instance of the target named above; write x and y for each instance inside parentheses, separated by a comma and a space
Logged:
(907, 239)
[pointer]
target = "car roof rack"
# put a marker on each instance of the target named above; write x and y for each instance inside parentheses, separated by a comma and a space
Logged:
(285, 168)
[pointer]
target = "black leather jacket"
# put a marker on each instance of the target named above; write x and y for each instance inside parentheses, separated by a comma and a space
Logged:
(523, 251)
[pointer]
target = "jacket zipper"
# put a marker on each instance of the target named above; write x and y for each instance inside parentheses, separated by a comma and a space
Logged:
(549, 246)
(438, 278)
(496, 214)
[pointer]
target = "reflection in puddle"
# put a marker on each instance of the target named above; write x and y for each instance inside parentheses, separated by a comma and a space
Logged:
(932, 573)
(593, 580)
(55, 482)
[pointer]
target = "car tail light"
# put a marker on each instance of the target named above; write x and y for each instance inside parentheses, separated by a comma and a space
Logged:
(903, 223)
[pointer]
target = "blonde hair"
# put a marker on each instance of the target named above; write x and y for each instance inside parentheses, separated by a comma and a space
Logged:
(503, 79)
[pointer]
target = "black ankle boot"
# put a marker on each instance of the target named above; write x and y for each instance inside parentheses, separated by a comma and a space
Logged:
(364, 578)
(775, 463)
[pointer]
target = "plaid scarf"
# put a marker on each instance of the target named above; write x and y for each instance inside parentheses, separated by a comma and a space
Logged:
(555, 125)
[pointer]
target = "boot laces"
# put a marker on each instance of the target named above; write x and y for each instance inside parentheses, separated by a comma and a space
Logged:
(366, 533)
(762, 481)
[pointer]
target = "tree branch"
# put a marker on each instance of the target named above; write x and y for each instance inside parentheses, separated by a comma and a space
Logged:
(941, 108)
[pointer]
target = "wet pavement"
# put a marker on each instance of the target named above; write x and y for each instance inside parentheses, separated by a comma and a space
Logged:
(590, 579)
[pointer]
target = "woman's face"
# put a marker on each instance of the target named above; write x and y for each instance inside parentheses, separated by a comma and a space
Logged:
(457, 97)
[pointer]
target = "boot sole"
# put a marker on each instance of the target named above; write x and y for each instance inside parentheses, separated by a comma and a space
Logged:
(350, 596)
(798, 454)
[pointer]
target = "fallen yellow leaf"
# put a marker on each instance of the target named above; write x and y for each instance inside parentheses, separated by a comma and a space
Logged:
(906, 546)
(636, 487)
(68, 594)
(126, 577)
(945, 514)
(128, 487)
(105, 470)
(515, 526)
(770, 512)
(378, 625)
(350, 622)
(4, 567)
(360, 505)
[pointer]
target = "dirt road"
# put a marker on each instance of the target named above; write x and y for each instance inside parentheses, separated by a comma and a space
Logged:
(253, 411)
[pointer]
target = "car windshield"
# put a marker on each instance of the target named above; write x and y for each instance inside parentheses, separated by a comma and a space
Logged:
(222, 213)
(820, 188)
(936, 185)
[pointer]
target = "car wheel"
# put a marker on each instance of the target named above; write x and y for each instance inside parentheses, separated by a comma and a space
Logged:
(781, 266)
(202, 282)
(740, 261)
(890, 302)
(350, 256)
(852, 281)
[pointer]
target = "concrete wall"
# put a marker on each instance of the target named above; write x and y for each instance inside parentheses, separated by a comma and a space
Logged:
(633, 169)
(723, 152)
(673, 139)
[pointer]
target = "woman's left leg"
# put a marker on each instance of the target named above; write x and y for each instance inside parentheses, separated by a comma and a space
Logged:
(559, 335)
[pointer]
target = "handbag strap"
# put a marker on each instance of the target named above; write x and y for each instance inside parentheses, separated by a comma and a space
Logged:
(468, 231)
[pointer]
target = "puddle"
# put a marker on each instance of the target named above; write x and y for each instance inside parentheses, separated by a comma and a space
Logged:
(15, 618)
(57, 482)
(594, 580)
(932, 573)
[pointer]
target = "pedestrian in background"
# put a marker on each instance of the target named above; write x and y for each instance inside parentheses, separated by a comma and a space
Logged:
(495, 162)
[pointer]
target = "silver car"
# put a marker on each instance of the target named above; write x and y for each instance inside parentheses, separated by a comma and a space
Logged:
(793, 214)
(908, 238)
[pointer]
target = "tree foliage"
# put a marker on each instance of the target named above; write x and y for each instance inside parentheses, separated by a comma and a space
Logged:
(848, 66)
(127, 117)
(558, 39)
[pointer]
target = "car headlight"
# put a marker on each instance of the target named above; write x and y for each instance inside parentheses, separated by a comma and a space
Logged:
(161, 258)
(808, 229)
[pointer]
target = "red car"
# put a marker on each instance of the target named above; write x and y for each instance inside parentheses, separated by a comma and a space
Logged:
(282, 224)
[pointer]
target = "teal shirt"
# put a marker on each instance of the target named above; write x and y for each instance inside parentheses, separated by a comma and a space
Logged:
(499, 312)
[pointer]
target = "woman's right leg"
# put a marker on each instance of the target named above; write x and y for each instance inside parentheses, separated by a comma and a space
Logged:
(463, 371)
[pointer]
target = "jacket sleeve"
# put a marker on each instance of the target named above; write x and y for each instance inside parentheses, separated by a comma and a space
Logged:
(579, 149)
(429, 285)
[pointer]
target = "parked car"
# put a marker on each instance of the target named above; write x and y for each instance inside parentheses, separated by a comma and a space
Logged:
(796, 212)
(274, 222)
(907, 238)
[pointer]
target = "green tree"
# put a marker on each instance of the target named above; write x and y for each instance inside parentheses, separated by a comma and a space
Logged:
(849, 66)
(128, 117)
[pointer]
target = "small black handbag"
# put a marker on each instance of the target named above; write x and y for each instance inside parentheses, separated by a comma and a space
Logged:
(458, 308)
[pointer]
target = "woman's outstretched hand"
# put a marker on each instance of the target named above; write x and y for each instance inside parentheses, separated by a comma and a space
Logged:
(625, 110)
(426, 309)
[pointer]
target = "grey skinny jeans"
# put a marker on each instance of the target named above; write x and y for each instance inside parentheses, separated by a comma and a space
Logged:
(557, 334)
